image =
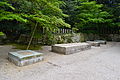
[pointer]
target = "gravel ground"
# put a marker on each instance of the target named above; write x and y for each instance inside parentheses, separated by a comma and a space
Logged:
(98, 63)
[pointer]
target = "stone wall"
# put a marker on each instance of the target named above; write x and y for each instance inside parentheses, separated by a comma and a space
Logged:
(70, 38)
(108, 37)
(67, 38)
(81, 37)
(115, 37)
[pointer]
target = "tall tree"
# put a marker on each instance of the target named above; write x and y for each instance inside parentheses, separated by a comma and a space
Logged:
(112, 7)
(89, 13)
(69, 9)
(85, 14)
(46, 13)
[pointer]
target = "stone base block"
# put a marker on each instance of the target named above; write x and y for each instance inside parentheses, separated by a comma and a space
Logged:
(25, 57)
(101, 41)
(70, 48)
(93, 43)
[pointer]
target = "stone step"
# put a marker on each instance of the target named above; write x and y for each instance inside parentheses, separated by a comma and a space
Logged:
(25, 57)
(70, 48)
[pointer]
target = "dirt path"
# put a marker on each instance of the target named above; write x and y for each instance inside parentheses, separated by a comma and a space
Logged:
(98, 63)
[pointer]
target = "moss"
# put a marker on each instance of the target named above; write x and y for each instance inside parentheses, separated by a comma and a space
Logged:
(2, 34)
(30, 57)
(23, 47)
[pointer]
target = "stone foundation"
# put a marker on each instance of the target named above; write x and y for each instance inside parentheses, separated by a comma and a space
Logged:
(101, 41)
(70, 48)
(93, 43)
(25, 57)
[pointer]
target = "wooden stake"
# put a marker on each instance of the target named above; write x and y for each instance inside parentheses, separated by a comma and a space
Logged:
(32, 36)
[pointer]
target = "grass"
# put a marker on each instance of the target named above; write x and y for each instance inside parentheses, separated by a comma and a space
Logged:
(23, 47)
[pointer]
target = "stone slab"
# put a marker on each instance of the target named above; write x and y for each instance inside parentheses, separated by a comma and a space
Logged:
(25, 57)
(94, 43)
(70, 48)
(101, 41)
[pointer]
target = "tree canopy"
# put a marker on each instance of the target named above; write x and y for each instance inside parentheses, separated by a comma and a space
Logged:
(20, 16)
(46, 12)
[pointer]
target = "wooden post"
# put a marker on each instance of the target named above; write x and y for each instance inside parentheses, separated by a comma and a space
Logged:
(32, 36)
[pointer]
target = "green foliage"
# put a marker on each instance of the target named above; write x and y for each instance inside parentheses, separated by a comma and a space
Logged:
(46, 13)
(90, 12)
(113, 8)
(6, 15)
(2, 38)
(89, 16)
(5, 4)
(2, 34)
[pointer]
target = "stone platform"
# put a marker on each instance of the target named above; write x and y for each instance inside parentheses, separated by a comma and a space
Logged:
(25, 57)
(101, 41)
(94, 43)
(70, 48)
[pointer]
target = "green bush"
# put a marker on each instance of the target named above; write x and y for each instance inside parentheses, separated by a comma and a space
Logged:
(2, 34)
